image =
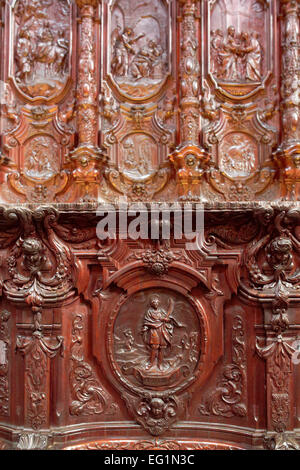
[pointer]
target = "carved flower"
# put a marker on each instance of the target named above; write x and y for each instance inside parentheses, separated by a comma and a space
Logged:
(139, 189)
(158, 261)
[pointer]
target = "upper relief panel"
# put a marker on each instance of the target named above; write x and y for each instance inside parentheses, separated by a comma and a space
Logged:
(41, 41)
(138, 62)
(240, 56)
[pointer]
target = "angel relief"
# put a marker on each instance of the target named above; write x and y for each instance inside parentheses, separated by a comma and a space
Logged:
(41, 49)
(162, 347)
(139, 47)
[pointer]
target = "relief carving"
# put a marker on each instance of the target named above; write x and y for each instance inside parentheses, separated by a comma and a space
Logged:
(41, 268)
(42, 43)
(4, 363)
(88, 396)
(138, 155)
(37, 350)
(155, 413)
(41, 158)
(155, 444)
(165, 350)
(236, 57)
(139, 46)
(157, 262)
(155, 354)
(240, 47)
(238, 155)
(230, 397)
(278, 353)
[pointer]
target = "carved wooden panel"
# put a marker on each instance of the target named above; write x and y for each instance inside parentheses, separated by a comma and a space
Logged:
(149, 341)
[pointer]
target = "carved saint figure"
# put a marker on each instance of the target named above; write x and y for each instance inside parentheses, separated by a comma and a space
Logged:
(217, 44)
(157, 331)
(252, 51)
(229, 56)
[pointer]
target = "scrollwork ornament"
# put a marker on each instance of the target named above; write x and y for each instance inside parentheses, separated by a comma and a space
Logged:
(4, 363)
(88, 397)
(229, 399)
(278, 353)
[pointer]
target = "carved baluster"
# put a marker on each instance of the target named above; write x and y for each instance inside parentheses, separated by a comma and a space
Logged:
(188, 159)
(189, 74)
(289, 153)
(87, 156)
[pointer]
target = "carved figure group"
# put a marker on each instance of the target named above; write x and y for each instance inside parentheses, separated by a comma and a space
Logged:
(137, 152)
(49, 50)
(236, 57)
(42, 44)
(132, 61)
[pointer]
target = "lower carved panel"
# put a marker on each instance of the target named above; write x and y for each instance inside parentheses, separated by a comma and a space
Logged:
(155, 444)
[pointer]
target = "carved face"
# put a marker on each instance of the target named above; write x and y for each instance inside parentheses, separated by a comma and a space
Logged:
(157, 407)
(231, 31)
(31, 246)
(190, 160)
(297, 160)
(280, 251)
(154, 303)
(84, 162)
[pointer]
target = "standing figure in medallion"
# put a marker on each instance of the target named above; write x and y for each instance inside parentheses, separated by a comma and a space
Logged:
(157, 331)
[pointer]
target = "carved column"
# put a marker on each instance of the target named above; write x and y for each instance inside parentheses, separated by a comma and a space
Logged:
(188, 159)
(87, 156)
(189, 74)
(289, 152)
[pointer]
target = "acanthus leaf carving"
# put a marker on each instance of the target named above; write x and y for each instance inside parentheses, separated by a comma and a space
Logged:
(278, 354)
(230, 397)
(89, 398)
(37, 350)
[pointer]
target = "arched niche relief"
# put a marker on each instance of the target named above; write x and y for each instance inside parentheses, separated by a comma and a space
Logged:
(158, 345)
